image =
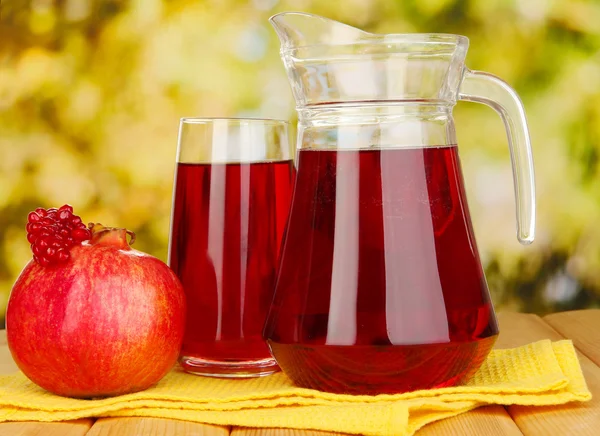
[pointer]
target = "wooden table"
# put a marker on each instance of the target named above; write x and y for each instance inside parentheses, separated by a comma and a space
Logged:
(583, 327)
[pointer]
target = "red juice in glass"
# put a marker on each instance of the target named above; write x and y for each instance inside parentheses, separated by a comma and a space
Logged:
(380, 288)
(227, 225)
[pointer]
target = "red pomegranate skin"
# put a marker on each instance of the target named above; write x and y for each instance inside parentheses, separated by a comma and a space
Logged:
(109, 322)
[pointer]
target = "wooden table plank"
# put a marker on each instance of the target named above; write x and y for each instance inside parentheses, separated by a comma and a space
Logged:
(67, 428)
(153, 427)
(569, 419)
(583, 327)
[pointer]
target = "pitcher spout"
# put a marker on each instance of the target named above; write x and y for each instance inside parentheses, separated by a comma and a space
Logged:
(299, 29)
(331, 62)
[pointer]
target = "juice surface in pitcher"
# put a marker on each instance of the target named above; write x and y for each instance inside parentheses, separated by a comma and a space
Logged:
(222, 209)
(380, 288)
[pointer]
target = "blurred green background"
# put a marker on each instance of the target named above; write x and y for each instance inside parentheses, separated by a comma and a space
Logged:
(91, 93)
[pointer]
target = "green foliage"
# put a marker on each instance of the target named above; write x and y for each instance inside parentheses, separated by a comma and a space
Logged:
(91, 93)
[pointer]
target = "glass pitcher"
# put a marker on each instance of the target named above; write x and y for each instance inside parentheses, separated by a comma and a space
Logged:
(380, 287)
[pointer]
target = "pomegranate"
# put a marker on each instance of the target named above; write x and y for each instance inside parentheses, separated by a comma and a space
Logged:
(89, 316)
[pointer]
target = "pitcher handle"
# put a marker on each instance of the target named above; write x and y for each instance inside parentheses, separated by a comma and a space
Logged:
(488, 89)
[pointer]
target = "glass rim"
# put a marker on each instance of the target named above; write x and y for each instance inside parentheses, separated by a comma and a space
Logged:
(232, 120)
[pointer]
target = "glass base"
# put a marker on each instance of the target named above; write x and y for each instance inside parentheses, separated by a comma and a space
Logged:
(235, 369)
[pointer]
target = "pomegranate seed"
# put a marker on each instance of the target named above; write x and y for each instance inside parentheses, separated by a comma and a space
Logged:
(80, 234)
(65, 215)
(33, 217)
(52, 232)
(62, 255)
(43, 261)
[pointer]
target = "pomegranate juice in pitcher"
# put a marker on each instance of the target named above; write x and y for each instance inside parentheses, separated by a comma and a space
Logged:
(380, 286)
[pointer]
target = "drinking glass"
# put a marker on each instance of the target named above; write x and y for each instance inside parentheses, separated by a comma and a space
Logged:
(233, 186)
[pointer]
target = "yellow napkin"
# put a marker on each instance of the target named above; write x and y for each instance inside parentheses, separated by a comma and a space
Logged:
(542, 373)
